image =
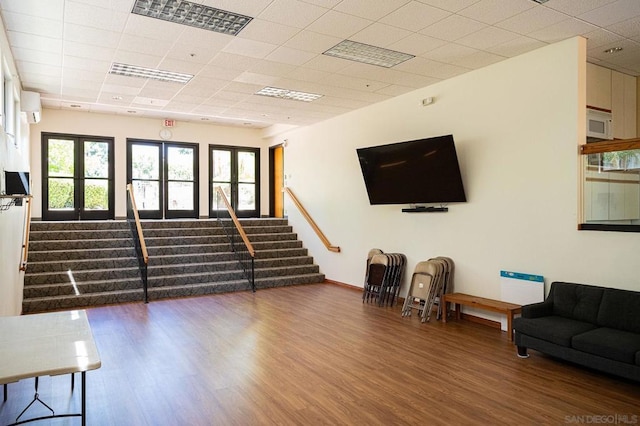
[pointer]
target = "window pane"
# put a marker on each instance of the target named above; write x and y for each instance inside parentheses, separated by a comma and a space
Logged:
(221, 165)
(96, 159)
(180, 195)
(226, 188)
(246, 196)
(96, 194)
(146, 194)
(180, 163)
(246, 167)
(60, 161)
(145, 162)
(61, 194)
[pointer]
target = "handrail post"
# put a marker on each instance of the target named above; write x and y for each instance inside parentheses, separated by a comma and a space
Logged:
(311, 222)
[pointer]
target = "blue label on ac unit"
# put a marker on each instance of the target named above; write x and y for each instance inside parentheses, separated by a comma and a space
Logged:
(521, 276)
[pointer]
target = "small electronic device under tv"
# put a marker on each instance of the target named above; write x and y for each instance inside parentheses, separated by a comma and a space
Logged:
(423, 171)
(16, 183)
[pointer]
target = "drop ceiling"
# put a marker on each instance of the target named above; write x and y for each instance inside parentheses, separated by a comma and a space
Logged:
(64, 50)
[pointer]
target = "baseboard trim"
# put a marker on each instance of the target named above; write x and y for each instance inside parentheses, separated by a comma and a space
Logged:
(341, 284)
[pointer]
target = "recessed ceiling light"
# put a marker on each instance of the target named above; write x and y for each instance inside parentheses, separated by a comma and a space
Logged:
(192, 14)
(614, 50)
(276, 92)
(136, 71)
(373, 55)
(116, 98)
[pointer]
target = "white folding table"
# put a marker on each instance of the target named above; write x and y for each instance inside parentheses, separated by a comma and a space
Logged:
(47, 344)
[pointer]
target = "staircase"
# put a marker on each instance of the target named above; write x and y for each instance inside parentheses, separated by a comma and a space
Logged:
(82, 264)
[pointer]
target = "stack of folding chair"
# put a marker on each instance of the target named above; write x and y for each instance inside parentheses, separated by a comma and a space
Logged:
(383, 277)
(430, 280)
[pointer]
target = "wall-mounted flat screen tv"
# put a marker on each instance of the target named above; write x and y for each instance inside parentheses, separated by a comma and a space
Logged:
(412, 172)
(16, 183)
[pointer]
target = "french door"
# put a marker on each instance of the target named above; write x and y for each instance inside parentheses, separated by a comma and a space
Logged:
(77, 177)
(236, 171)
(164, 177)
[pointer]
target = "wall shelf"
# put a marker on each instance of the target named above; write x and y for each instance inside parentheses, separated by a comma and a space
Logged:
(6, 201)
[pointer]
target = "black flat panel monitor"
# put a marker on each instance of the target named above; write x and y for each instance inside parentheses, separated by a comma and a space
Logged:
(413, 172)
(16, 183)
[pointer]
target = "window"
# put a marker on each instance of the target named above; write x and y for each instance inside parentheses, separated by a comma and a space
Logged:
(611, 186)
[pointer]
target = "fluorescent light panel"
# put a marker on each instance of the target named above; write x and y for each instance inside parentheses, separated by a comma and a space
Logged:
(275, 92)
(135, 71)
(192, 14)
(373, 55)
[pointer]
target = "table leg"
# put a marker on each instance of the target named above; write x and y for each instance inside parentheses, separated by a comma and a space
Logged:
(458, 313)
(5, 392)
(84, 399)
(509, 326)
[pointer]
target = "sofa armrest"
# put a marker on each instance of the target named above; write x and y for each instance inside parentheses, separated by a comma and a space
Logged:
(536, 310)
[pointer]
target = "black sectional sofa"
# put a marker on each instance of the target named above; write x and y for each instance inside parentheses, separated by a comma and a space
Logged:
(596, 327)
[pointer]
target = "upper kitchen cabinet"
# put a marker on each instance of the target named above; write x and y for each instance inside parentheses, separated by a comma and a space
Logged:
(616, 92)
(598, 87)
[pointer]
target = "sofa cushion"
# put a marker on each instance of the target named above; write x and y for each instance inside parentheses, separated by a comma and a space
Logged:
(620, 309)
(609, 343)
(554, 329)
(578, 301)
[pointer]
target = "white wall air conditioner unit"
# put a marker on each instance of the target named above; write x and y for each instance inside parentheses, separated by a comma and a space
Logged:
(30, 104)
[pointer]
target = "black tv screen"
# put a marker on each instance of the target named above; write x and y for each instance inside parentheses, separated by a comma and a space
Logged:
(412, 172)
(16, 183)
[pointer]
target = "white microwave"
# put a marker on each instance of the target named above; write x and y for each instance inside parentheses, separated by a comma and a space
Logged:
(599, 125)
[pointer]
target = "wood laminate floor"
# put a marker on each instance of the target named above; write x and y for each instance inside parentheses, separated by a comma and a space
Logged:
(313, 355)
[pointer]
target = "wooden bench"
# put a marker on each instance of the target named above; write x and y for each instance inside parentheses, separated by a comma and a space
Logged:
(458, 299)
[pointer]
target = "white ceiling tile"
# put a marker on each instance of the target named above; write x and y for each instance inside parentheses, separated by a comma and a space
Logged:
(39, 69)
(94, 16)
(255, 78)
(612, 13)
(249, 8)
(98, 37)
(487, 37)
(577, 7)
(323, 3)
(449, 53)
(39, 57)
(251, 48)
(213, 71)
(629, 28)
(129, 91)
(450, 5)
(276, 69)
(310, 41)
(35, 42)
(87, 64)
(73, 48)
(327, 63)
(601, 37)
(113, 81)
(380, 35)
(353, 83)
(516, 46)
(307, 74)
(268, 32)
(431, 68)
(290, 56)
(32, 24)
(292, 12)
(532, 20)
(144, 45)
(338, 24)
(478, 59)
(136, 58)
(417, 44)
(453, 28)
(395, 90)
(415, 16)
(364, 8)
(176, 65)
(51, 9)
(493, 11)
(563, 30)
(231, 61)
(80, 95)
(153, 28)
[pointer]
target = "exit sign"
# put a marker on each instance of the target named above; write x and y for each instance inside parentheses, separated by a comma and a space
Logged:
(169, 123)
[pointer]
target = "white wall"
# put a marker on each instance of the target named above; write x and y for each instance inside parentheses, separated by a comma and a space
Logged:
(14, 156)
(123, 127)
(516, 124)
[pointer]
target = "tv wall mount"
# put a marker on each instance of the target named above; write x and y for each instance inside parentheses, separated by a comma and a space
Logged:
(425, 209)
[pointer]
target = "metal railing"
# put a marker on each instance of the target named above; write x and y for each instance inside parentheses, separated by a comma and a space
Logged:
(238, 239)
(133, 218)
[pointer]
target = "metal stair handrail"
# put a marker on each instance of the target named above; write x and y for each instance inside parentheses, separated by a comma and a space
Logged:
(141, 248)
(245, 252)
